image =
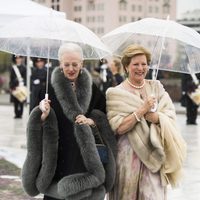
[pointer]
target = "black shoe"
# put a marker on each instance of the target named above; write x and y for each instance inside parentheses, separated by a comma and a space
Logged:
(18, 117)
(191, 123)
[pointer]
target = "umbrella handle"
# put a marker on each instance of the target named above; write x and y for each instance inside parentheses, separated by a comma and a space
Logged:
(46, 96)
(42, 106)
(155, 105)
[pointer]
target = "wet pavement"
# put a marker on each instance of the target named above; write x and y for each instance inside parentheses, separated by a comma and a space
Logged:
(13, 148)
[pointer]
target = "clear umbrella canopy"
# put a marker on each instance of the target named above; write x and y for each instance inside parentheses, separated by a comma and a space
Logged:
(42, 36)
(174, 47)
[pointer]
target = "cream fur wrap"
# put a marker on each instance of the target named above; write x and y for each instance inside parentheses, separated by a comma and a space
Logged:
(159, 146)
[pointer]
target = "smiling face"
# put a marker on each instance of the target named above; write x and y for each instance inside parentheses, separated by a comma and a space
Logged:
(137, 69)
(71, 65)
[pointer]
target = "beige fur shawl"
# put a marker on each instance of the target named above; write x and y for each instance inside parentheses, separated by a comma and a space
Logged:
(159, 147)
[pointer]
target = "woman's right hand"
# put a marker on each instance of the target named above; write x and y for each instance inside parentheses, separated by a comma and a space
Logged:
(149, 104)
(45, 108)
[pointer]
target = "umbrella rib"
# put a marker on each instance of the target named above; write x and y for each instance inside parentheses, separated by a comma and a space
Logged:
(153, 53)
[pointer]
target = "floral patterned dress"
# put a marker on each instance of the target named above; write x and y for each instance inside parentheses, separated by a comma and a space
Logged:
(133, 180)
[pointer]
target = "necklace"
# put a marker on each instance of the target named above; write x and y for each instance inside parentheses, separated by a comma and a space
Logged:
(135, 86)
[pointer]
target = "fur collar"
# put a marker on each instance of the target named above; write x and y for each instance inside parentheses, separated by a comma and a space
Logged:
(71, 103)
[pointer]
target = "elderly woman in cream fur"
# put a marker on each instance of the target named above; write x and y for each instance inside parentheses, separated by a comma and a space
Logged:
(62, 160)
(150, 149)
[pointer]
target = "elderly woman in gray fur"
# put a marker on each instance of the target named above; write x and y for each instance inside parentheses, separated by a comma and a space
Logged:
(62, 160)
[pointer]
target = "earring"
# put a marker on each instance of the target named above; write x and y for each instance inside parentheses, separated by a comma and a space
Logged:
(81, 71)
(61, 70)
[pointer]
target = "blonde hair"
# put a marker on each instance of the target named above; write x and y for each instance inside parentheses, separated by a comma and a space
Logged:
(131, 51)
(69, 47)
(118, 64)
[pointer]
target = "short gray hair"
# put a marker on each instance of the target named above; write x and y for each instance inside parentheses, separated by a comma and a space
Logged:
(69, 47)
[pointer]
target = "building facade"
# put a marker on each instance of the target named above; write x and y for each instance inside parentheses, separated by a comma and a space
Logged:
(191, 19)
(101, 16)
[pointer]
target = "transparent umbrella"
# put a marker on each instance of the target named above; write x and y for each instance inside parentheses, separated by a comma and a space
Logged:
(42, 36)
(174, 47)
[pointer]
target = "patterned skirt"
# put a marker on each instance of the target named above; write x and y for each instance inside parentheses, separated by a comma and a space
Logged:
(133, 180)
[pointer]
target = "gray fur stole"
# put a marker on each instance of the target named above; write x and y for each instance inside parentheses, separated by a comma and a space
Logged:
(42, 145)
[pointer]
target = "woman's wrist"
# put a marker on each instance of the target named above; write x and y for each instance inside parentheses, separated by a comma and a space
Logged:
(136, 116)
(43, 117)
(90, 122)
(139, 113)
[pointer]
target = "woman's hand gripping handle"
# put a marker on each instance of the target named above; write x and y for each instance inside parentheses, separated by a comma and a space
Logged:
(45, 107)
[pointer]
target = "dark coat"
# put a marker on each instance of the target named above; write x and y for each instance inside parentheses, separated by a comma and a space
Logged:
(79, 173)
(14, 81)
(38, 85)
(188, 84)
(117, 79)
(67, 140)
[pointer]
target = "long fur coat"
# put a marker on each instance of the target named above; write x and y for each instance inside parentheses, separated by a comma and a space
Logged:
(41, 166)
